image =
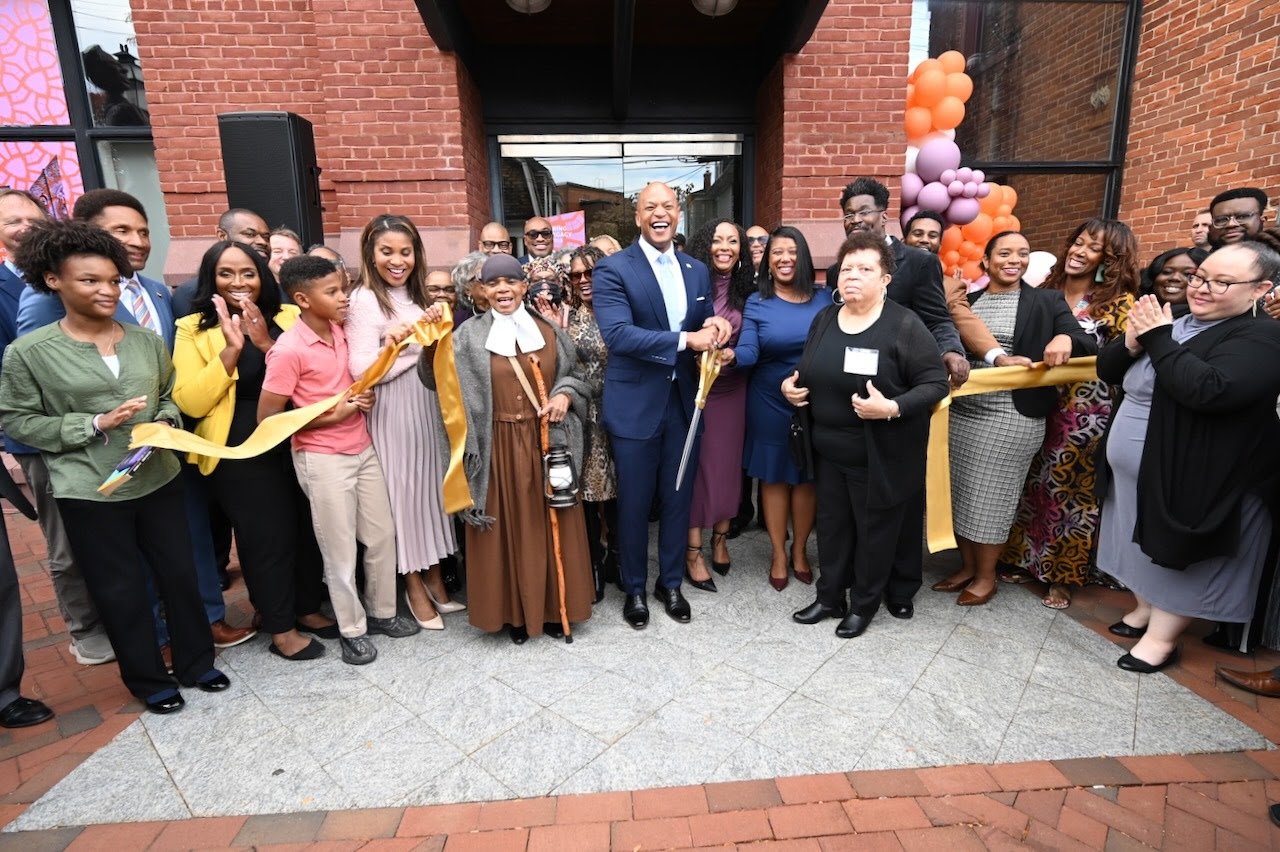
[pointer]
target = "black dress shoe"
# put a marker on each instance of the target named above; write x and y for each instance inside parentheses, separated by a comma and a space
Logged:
(675, 604)
(214, 681)
(23, 713)
(818, 611)
(519, 635)
(554, 629)
(1130, 663)
(636, 612)
(310, 651)
(853, 625)
(171, 701)
(1128, 631)
(900, 610)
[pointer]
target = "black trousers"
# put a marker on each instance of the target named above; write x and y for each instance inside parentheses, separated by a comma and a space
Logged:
(856, 543)
(114, 542)
(11, 660)
(279, 557)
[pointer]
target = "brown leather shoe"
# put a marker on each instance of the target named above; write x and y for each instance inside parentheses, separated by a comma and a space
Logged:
(226, 636)
(950, 586)
(968, 598)
(1259, 683)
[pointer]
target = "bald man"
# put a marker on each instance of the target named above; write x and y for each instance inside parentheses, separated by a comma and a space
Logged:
(494, 239)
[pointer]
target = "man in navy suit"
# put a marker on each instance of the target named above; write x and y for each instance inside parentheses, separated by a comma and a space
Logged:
(655, 311)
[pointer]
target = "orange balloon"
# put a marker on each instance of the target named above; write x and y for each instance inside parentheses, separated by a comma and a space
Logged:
(926, 65)
(1004, 210)
(971, 271)
(911, 94)
(952, 61)
(1010, 196)
(959, 85)
(1001, 224)
(991, 204)
(968, 250)
(979, 230)
(1014, 224)
(948, 114)
(917, 121)
(950, 259)
(951, 239)
(931, 87)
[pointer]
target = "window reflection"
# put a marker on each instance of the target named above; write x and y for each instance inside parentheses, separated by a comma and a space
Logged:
(112, 70)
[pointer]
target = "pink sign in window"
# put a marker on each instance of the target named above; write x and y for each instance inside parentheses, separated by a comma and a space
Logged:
(30, 76)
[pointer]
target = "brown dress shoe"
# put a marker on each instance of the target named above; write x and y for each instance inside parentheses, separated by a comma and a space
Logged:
(949, 586)
(226, 636)
(1259, 683)
(968, 598)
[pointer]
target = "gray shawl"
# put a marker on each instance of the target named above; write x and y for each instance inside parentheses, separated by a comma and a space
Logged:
(472, 362)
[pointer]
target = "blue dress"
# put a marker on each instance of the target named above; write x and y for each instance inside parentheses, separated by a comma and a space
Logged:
(772, 340)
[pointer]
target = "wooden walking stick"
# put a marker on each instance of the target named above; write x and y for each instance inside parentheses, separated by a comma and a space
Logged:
(551, 511)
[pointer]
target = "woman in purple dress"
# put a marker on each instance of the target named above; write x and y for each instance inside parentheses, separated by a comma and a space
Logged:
(717, 489)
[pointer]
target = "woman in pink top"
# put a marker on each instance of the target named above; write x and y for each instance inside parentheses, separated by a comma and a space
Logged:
(403, 423)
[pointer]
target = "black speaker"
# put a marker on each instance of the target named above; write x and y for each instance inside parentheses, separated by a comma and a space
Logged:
(269, 159)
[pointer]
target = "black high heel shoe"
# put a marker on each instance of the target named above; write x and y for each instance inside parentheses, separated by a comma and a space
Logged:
(707, 585)
(721, 568)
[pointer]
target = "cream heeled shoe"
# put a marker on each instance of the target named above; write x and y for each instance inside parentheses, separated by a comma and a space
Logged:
(443, 606)
(436, 623)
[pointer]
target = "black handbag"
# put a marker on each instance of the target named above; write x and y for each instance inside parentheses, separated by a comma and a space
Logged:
(800, 437)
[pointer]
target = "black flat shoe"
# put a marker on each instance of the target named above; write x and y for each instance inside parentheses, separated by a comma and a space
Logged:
(311, 651)
(1130, 663)
(636, 612)
(1128, 631)
(214, 681)
(853, 625)
(674, 603)
(818, 611)
(900, 610)
(554, 629)
(169, 703)
(721, 568)
(519, 635)
(330, 632)
(23, 713)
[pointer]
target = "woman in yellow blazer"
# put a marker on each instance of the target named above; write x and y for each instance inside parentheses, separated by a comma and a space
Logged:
(220, 358)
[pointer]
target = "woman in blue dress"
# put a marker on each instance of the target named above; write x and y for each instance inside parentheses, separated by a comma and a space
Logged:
(775, 323)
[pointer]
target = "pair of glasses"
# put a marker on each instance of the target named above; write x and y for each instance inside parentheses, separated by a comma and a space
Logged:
(502, 245)
(757, 241)
(864, 214)
(440, 291)
(579, 277)
(1238, 218)
(544, 234)
(1196, 281)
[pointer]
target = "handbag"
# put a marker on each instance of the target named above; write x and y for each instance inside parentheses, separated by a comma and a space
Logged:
(800, 435)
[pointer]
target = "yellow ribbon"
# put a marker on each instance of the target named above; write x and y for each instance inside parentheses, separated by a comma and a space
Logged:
(939, 533)
(278, 427)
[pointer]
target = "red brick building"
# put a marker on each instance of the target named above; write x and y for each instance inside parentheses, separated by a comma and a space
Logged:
(458, 111)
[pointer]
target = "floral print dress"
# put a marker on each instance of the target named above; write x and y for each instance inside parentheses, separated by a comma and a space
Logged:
(599, 480)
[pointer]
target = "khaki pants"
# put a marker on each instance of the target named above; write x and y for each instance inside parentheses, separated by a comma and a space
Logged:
(349, 501)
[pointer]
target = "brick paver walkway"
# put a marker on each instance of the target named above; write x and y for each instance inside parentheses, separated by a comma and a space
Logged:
(1211, 801)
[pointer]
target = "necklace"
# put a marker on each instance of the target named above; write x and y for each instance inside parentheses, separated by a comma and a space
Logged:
(104, 348)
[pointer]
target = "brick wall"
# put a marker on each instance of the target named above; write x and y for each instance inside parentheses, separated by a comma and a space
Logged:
(1206, 113)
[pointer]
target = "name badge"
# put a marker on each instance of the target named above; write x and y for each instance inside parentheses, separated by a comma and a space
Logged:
(861, 362)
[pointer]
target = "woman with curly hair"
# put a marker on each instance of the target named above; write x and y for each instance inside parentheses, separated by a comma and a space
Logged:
(546, 280)
(717, 488)
(1052, 539)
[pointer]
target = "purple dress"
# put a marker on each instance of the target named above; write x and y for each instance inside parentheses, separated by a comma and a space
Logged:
(717, 489)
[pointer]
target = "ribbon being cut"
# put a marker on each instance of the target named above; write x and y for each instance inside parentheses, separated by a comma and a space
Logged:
(277, 428)
(938, 531)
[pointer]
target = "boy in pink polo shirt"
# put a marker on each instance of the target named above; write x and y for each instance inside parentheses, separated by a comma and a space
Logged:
(334, 457)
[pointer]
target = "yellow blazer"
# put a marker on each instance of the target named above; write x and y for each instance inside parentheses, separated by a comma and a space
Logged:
(202, 387)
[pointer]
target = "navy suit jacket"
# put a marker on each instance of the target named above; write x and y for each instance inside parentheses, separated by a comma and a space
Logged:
(36, 310)
(11, 288)
(633, 321)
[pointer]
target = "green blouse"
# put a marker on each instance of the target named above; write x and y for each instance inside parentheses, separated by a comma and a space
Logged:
(51, 388)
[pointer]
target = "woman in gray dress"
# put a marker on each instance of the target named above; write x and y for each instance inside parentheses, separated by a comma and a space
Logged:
(994, 436)
(1193, 454)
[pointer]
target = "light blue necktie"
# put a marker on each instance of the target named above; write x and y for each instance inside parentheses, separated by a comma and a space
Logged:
(673, 294)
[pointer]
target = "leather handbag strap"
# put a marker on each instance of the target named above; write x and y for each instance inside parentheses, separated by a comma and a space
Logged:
(524, 383)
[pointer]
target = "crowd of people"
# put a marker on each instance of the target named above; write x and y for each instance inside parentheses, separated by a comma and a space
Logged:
(576, 372)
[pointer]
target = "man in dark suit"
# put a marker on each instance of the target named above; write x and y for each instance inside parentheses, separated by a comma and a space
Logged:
(15, 711)
(655, 311)
(239, 224)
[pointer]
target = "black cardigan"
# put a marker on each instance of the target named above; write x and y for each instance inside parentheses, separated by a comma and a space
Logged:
(1042, 316)
(912, 374)
(1212, 436)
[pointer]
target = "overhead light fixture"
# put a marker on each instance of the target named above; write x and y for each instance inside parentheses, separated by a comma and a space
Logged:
(712, 8)
(529, 7)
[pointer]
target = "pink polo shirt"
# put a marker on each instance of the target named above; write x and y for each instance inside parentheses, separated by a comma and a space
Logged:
(306, 369)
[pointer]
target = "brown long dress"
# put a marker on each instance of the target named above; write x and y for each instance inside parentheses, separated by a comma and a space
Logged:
(511, 568)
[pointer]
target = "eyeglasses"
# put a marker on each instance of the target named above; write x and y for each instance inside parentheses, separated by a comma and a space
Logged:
(433, 290)
(1196, 281)
(757, 241)
(1238, 218)
(544, 234)
(864, 214)
(579, 277)
(502, 245)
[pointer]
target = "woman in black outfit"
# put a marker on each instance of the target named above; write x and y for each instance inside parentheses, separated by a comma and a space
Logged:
(870, 375)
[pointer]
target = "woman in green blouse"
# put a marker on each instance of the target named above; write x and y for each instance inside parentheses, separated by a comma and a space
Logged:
(74, 389)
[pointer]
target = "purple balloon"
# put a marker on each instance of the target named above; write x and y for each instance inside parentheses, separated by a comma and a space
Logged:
(970, 189)
(963, 211)
(907, 214)
(934, 196)
(984, 189)
(947, 177)
(956, 188)
(979, 176)
(935, 157)
(911, 186)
